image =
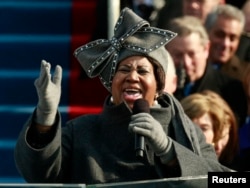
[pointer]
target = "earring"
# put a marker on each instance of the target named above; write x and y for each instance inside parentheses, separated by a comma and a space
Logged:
(155, 100)
(111, 99)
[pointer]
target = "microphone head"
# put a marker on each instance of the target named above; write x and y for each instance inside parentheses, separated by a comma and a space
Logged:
(141, 105)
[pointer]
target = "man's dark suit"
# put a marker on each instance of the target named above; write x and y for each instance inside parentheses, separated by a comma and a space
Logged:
(229, 88)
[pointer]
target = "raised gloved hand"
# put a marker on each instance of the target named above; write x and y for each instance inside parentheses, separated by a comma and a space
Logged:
(145, 125)
(49, 94)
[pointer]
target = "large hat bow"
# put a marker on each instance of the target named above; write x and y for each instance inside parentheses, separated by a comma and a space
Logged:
(132, 34)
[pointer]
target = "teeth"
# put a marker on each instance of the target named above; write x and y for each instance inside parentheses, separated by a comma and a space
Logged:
(132, 90)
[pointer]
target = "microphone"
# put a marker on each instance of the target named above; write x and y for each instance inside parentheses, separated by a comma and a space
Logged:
(140, 105)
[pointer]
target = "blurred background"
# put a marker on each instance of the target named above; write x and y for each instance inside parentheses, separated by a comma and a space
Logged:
(32, 30)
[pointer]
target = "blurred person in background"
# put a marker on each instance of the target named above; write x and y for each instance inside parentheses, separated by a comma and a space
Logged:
(178, 8)
(244, 132)
(146, 9)
(225, 25)
(171, 77)
(216, 119)
(243, 50)
(190, 51)
(199, 8)
(246, 11)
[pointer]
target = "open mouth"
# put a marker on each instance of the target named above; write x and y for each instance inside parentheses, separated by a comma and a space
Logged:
(132, 94)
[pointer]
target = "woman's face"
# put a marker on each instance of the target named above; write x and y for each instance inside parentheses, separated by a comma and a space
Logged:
(206, 125)
(134, 79)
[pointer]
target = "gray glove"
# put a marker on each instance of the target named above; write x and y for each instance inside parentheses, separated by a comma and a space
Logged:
(145, 125)
(49, 94)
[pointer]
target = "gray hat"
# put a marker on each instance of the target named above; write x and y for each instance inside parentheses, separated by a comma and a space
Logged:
(133, 36)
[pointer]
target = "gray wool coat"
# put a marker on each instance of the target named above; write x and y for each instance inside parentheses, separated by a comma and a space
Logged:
(94, 149)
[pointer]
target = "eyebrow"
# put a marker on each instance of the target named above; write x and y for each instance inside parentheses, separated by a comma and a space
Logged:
(138, 66)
